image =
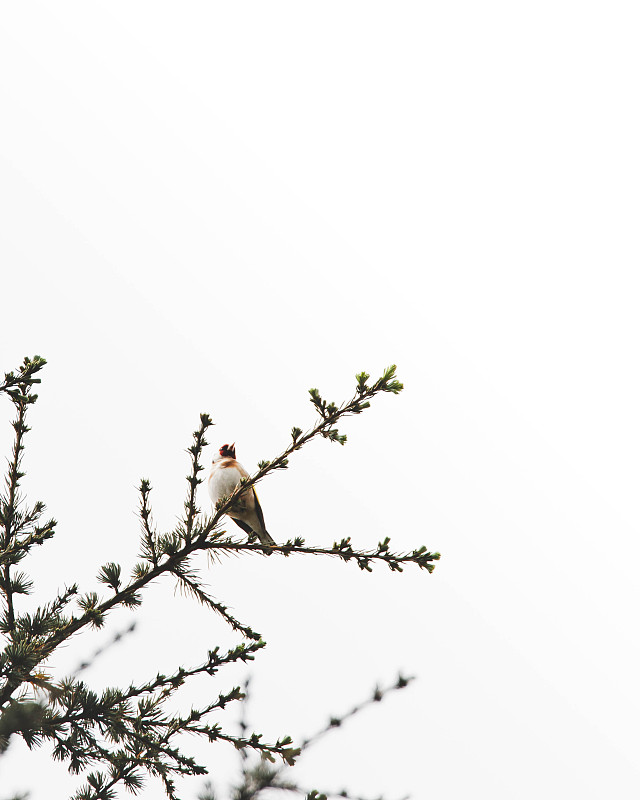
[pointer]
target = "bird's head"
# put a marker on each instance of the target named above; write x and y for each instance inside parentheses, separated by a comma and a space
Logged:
(228, 451)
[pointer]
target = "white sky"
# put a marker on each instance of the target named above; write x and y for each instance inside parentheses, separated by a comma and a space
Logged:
(213, 207)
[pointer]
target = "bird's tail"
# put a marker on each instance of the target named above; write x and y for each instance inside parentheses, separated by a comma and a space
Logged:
(266, 539)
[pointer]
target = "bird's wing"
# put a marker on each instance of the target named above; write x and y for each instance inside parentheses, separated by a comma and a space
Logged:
(244, 525)
(259, 513)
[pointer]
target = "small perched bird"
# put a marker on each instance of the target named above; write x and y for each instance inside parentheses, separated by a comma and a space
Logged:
(226, 474)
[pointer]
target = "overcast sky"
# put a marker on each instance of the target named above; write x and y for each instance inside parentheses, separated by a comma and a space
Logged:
(215, 206)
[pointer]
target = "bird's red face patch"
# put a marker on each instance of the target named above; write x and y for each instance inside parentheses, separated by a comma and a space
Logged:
(228, 450)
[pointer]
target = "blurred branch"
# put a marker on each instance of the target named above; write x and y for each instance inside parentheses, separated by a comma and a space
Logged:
(376, 697)
(116, 639)
(261, 776)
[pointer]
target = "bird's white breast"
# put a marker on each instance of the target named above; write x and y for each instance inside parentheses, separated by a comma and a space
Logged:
(222, 481)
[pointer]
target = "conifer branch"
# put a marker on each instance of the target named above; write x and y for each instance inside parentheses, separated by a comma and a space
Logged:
(21, 546)
(127, 733)
(193, 587)
(195, 451)
(18, 532)
(149, 544)
(144, 731)
(172, 551)
(13, 383)
(329, 414)
(9, 504)
(168, 684)
(421, 557)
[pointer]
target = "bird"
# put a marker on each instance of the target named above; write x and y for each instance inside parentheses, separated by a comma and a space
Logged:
(246, 512)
